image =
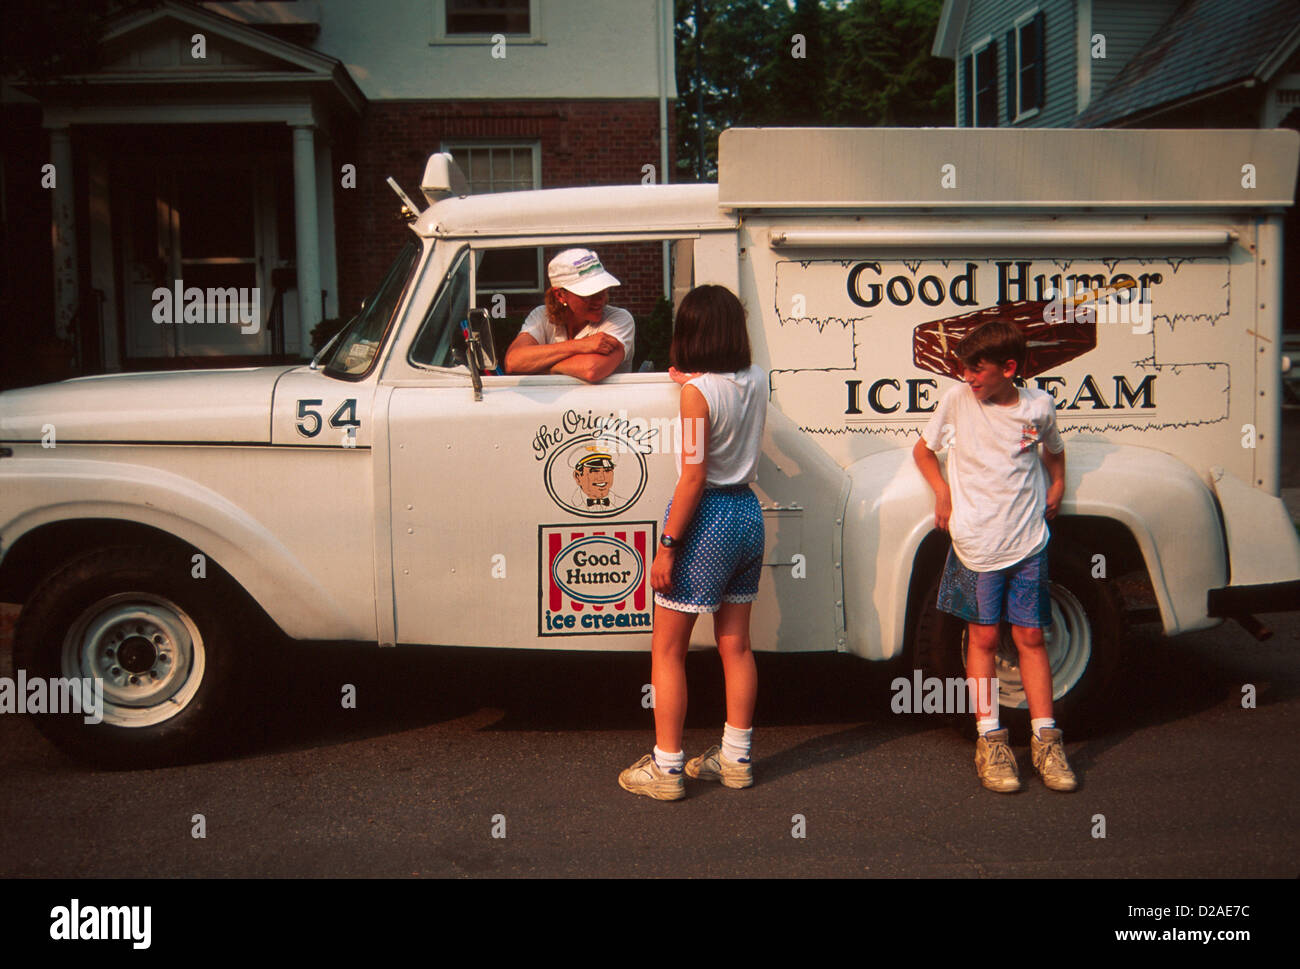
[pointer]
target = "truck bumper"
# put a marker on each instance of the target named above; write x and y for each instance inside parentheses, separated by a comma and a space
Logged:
(1237, 600)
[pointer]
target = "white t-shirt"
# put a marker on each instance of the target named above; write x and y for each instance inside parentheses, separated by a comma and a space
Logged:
(614, 321)
(998, 484)
(737, 412)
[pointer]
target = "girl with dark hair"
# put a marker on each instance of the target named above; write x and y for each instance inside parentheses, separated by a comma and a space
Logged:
(711, 551)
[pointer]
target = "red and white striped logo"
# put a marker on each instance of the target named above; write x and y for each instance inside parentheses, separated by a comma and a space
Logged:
(595, 580)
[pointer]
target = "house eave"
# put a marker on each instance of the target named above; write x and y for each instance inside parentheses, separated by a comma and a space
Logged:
(947, 35)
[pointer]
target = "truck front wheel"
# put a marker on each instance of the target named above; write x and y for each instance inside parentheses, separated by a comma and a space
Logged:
(1083, 645)
(147, 646)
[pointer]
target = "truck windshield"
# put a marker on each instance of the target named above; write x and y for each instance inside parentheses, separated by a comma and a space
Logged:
(359, 343)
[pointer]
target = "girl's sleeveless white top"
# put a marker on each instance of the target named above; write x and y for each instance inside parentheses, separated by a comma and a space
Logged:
(737, 412)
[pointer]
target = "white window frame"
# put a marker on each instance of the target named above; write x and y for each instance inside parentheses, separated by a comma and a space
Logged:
(452, 144)
(439, 35)
(1016, 25)
(978, 48)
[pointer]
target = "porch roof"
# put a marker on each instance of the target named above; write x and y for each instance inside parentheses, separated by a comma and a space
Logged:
(149, 74)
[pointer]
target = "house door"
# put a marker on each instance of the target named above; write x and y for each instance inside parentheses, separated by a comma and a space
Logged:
(210, 231)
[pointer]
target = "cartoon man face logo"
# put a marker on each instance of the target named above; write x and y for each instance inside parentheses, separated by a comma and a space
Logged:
(594, 473)
(592, 459)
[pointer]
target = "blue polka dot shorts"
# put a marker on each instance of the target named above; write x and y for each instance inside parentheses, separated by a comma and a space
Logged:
(721, 556)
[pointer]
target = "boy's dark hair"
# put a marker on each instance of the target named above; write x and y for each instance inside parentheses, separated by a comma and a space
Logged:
(996, 341)
(709, 333)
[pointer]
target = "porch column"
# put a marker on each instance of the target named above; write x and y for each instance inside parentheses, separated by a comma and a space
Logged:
(305, 222)
(329, 276)
(64, 232)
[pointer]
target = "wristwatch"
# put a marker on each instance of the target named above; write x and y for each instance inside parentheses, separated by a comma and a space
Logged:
(667, 541)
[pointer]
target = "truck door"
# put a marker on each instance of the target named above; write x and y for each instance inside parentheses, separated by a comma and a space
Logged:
(529, 517)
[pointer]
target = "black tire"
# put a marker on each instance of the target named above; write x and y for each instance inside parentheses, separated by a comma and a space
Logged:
(162, 642)
(1084, 645)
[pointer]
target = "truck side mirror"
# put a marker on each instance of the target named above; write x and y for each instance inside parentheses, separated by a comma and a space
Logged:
(480, 328)
(480, 353)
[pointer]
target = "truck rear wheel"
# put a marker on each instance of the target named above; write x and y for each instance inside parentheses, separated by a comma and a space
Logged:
(159, 641)
(1083, 645)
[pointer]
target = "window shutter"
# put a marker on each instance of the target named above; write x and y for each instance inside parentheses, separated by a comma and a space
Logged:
(986, 87)
(1040, 35)
(967, 79)
(1012, 67)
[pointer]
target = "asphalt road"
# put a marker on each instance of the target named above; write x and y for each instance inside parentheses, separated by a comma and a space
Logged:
(445, 745)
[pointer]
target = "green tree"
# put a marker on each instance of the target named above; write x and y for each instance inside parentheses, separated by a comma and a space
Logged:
(807, 63)
(735, 40)
(795, 73)
(885, 74)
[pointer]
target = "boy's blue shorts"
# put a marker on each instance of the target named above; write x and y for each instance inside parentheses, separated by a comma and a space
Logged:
(1019, 593)
(721, 556)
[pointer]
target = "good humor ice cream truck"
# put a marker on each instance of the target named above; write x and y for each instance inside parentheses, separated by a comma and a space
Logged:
(162, 529)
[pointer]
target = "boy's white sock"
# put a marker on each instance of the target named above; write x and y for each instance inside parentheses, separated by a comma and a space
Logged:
(670, 762)
(1040, 724)
(735, 742)
(986, 724)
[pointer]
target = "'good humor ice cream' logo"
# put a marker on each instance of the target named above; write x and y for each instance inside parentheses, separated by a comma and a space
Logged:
(593, 578)
(598, 569)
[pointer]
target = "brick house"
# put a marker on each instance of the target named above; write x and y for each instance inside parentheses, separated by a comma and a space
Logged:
(246, 145)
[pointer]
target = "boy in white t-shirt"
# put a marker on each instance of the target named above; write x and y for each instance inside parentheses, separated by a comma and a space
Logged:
(996, 505)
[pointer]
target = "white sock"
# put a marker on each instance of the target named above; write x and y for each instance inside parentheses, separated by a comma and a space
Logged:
(1040, 724)
(736, 742)
(986, 724)
(670, 762)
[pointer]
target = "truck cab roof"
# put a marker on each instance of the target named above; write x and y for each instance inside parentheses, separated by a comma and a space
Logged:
(599, 211)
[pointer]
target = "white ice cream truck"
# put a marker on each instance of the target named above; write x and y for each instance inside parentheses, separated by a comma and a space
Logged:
(397, 491)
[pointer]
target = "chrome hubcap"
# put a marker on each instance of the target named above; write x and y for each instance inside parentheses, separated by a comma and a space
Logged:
(147, 651)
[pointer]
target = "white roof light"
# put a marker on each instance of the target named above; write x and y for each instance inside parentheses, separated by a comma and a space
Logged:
(442, 178)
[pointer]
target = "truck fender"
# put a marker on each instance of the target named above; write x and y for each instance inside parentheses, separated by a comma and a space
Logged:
(52, 490)
(1262, 543)
(890, 511)
(1167, 508)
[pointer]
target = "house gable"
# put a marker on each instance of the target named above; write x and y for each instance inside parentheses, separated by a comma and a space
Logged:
(169, 45)
(178, 62)
(164, 38)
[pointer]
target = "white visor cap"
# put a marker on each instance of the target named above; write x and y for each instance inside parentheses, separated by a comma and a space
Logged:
(579, 271)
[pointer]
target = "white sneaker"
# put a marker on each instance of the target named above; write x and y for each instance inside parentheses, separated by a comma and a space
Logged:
(712, 766)
(646, 777)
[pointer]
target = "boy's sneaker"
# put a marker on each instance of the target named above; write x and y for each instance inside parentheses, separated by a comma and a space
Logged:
(646, 777)
(1048, 755)
(712, 766)
(995, 763)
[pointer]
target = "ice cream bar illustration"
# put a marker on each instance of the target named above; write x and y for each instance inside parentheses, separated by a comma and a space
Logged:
(1047, 345)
